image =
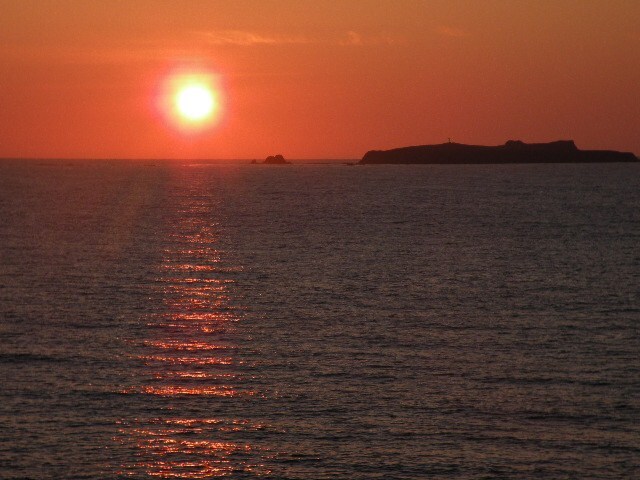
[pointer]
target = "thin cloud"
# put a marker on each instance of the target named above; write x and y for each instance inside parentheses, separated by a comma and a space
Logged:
(248, 39)
(245, 38)
(88, 55)
(357, 40)
(448, 31)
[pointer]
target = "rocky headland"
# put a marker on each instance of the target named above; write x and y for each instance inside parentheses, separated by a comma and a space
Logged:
(514, 151)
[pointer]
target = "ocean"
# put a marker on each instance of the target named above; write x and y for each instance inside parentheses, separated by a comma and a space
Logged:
(318, 321)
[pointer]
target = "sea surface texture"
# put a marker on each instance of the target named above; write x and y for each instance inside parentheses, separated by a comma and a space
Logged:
(193, 320)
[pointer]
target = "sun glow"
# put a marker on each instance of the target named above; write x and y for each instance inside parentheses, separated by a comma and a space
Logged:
(191, 101)
(195, 102)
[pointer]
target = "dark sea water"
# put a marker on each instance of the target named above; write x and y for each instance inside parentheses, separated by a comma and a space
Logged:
(176, 320)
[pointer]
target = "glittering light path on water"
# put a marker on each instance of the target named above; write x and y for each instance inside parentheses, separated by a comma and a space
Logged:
(188, 352)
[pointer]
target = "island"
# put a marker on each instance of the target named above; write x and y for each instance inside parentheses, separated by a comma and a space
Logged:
(514, 151)
(275, 160)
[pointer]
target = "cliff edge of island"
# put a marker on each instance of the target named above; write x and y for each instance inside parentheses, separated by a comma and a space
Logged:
(514, 151)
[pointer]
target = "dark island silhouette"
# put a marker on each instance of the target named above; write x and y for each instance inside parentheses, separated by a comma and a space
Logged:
(514, 151)
(275, 160)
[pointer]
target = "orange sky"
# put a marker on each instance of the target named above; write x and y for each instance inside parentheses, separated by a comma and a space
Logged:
(318, 78)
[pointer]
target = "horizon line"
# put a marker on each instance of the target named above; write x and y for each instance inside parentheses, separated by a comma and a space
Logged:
(176, 159)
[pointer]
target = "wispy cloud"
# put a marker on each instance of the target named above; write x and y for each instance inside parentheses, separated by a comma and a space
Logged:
(152, 50)
(356, 39)
(91, 55)
(247, 39)
(448, 31)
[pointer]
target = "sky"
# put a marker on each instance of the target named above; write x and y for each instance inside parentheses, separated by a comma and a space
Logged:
(317, 79)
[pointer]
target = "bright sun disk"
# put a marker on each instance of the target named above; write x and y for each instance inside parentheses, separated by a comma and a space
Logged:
(195, 102)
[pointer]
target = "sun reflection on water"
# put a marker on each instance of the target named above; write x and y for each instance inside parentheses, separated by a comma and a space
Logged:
(177, 345)
(188, 353)
(170, 451)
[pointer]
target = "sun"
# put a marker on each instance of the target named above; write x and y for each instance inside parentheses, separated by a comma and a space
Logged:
(195, 102)
(191, 100)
